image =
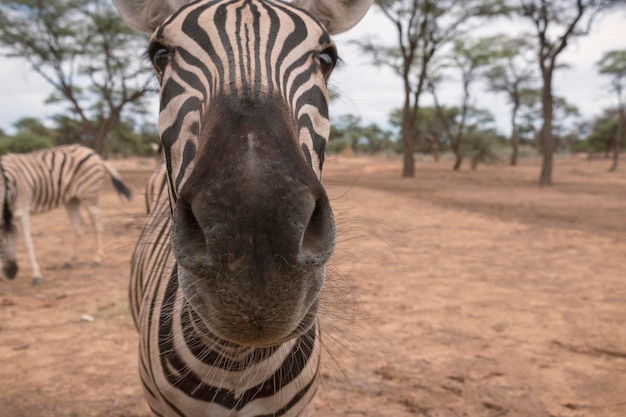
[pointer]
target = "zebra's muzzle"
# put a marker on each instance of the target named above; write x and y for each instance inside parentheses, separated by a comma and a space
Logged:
(252, 228)
(254, 281)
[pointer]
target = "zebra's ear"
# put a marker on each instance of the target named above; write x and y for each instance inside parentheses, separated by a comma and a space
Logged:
(147, 15)
(336, 15)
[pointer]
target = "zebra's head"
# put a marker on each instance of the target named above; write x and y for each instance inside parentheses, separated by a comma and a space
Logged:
(243, 123)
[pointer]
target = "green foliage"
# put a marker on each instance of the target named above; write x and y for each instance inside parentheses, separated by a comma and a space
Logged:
(603, 131)
(69, 130)
(481, 148)
(349, 132)
(428, 127)
(471, 54)
(31, 135)
(337, 145)
(527, 152)
(513, 72)
(613, 63)
(432, 136)
(128, 140)
(482, 144)
(25, 142)
(32, 124)
(423, 28)
(556, 24)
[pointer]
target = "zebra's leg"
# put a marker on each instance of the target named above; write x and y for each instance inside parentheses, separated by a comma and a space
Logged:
(94, 215)
(30, 248)
(73, 212)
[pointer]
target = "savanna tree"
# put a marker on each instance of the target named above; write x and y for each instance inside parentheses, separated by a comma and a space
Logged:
(422, 27)
(555, 24)
(83, 50)
(469, 56)
(513, 72)
(431, 136)
(613, 65)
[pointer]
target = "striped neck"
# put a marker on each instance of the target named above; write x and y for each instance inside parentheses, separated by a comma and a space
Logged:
(209, 369)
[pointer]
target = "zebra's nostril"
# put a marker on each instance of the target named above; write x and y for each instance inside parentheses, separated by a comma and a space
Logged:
(189, 239)
(319, 235)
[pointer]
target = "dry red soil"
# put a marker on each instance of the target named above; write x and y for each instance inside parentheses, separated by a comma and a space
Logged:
(470, 293)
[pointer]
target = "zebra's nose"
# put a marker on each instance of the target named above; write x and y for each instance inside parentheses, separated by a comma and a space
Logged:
(253, 232)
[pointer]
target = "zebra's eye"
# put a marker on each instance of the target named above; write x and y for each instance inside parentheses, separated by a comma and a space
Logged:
(328, 60)
(160, 56)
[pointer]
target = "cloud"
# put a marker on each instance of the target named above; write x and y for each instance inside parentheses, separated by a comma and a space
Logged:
(23, 94)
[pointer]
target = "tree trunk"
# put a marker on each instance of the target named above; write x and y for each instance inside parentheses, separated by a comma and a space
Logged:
(514, 151)
(458, 161)
(434, 146)
(457, 143)
(101, 133)
(546, 169)
(547, 140)
(408, 123)
(474, 162)
(456, 148)
(99, 143)
(408, 139)
(410, 114)
(514, 143)
(617, 143)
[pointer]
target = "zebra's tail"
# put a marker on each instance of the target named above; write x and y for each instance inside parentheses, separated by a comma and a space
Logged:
(119, 185)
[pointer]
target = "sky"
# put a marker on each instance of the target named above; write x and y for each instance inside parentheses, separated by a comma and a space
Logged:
(370, 92)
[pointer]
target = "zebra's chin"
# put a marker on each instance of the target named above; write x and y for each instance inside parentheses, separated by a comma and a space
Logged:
(229, 315)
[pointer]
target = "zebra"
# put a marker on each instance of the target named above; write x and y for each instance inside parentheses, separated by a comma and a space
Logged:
(227, 271)
(40, 181)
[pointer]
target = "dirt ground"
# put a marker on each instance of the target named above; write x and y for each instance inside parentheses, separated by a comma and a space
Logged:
(472, 294)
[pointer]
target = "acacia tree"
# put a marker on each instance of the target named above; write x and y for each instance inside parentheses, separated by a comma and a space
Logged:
(513, 73)
(556, 23)
(422, 28)
(470, 57)
(565, 118)
(613, 64)
(83, 50)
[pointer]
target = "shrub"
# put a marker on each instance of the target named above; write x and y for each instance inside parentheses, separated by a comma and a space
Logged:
(25, 141)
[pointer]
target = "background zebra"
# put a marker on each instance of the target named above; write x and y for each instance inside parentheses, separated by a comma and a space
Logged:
(227, 272)
(41, 181)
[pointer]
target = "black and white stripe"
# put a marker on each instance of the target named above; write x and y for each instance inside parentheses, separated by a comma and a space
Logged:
(204, 375)
(226, 275)
(40, 181)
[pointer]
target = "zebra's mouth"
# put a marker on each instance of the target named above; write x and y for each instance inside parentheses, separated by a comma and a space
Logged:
(250, 319)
